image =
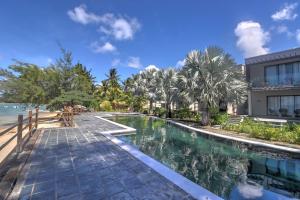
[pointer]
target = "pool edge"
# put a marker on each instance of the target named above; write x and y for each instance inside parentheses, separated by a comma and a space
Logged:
(241, 140)
(179, 180)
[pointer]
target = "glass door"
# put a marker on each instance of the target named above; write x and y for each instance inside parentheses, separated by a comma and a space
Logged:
(287, 106)
(273, 106)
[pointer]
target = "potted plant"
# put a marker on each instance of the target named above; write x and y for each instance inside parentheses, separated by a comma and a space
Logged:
(283, 112)
(297, 112)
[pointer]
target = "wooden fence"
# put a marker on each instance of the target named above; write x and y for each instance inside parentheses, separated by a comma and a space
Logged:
(31, 124)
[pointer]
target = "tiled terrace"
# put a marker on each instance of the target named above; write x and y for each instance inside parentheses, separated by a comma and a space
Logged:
(81, 163)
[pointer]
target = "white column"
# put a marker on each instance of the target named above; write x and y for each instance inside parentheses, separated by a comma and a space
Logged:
(249, 103)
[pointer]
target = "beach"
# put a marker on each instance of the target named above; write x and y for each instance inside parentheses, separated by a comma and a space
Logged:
(10, 147)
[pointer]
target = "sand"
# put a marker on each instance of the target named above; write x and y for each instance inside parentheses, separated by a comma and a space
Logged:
(10, 147)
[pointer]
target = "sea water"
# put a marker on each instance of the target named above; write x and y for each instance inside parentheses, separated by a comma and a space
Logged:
(9, 112)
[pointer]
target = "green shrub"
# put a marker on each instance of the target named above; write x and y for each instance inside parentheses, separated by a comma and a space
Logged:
(219, 118)
(289, 133)
(160, 112)
(197, 117)
(183, 113)
(105, 106)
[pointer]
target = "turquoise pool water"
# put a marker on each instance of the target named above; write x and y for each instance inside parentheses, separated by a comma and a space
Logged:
(232, 171)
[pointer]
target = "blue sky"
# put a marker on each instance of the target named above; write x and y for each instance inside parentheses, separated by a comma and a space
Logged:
(132, 35)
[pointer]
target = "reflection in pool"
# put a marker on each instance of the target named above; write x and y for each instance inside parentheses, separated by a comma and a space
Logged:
(231, 171)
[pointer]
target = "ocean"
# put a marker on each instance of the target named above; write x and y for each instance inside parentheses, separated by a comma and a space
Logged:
(9, 112)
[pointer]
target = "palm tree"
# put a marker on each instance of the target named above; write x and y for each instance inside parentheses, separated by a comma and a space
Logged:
(215, 78)
(150, 86)
(187, 83)
(167, 87)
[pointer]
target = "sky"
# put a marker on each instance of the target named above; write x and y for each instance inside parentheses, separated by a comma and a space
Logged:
(132, 35)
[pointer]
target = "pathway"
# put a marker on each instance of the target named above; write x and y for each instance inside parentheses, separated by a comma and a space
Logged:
(79, 163)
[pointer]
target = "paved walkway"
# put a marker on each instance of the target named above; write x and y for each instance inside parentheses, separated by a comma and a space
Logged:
(79, 163)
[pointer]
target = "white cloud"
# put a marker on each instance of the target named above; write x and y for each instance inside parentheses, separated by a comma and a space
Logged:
(152, 67)
(282, 29)
(134, 62)
(105, 48)
(115, 62)
(286, 13)
(80, 15)
(298, 35)
(180, 63)
(251, 38)
(121, 28)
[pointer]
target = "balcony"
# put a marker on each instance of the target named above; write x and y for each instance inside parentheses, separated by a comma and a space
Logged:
(274, 83)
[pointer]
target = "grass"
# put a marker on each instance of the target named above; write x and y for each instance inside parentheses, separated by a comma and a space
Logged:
(289, 133)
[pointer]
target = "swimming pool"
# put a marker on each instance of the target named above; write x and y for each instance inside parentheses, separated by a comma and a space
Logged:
(230, 170)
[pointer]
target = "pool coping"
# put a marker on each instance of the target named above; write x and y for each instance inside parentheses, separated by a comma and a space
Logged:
(252, 142)
(182, 182)
(126, 129)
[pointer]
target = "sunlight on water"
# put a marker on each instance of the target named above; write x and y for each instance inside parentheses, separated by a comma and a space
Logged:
(231, 171)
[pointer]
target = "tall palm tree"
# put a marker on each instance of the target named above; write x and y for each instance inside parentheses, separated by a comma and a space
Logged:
(167, 87)
(150, 86)
(215, 78)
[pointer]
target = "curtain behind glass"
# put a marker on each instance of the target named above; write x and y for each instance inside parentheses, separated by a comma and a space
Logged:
(273, 106)
(285, 74)
(271, 76)
(296, 75)
(287, 102)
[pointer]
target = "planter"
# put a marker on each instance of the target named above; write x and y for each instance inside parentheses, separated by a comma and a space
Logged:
(283, 112)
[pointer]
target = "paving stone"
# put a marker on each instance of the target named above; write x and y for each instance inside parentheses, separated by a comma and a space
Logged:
(113, 188)
(80, 163)
(26, 191)
(122, 196)
(132, 183)
(49, 195)
(43, 187)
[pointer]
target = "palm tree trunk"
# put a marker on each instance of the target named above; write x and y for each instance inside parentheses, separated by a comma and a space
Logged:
(150, 106)
(205, 116)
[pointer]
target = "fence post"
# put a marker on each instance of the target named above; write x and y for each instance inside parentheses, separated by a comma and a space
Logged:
(36, 117)
(19, 133)
(72, 119)
(30, 122)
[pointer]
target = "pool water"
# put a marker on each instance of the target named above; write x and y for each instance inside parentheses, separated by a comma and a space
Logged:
(231, 171)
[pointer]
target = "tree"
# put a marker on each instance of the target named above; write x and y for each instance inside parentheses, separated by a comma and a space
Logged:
(216, 78)
(29, 83)
(150, 86)
(112, 91)
(167, 87)
(71, 98)
(22, 83)
(83, 80)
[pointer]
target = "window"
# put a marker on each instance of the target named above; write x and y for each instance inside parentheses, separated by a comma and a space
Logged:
(273, 106)
(285, 106)
(297, 106)
(296, 74)
(285, 74)
(271, 75)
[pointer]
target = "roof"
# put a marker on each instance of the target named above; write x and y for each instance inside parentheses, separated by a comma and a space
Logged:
(290, 53)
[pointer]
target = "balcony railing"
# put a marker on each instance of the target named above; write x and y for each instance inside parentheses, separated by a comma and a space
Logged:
(274, 83)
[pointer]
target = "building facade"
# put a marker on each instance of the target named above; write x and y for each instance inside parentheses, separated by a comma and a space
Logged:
(274, 84)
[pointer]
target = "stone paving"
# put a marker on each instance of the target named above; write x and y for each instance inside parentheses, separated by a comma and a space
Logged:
(79, 163)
